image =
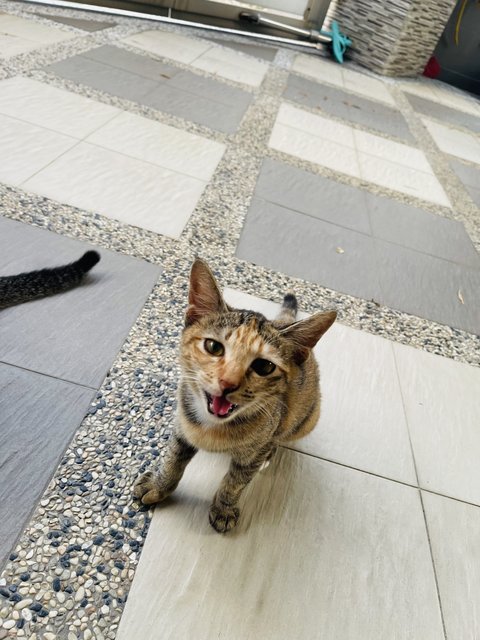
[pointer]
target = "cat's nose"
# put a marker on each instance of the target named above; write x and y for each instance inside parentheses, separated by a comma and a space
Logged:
(228, 386)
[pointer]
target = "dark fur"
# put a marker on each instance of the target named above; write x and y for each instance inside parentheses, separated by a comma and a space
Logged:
(24, 287)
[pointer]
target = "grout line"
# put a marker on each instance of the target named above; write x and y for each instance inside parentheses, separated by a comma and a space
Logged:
(433, 566)
(48, 375)
(407, 425)
(347, 466)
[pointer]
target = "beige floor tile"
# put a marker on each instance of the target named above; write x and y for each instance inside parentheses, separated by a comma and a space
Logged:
(331, 72)
(18, 35)
(453, 528)
(232, 66)
(318, 150)
(392, 151)
(402, 178)
(114, 185)
(320, 552)
(169, 45)
(441, 400)
(27, 148)
(455, 142)
(52, 108)
(160, 144)
(316, 125)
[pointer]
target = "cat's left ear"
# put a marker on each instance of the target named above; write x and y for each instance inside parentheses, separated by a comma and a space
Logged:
(306, 333)
(204, 295)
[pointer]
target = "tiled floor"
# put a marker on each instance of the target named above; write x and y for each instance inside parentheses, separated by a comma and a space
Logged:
(362, 244)
(138, 171)
(360, 154)
(285, 171)
(18, 35)
(201, 54)
(158, 85)
(340, 103)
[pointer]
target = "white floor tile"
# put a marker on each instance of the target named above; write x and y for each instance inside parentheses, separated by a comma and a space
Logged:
(169, 45)
(443, 96)
(120, 187)
(318, 69)
(308, 147)
(321, 552)
(18, 35)
(366, 86)
(401, 178)
(441, 399)
(203, 55)
(160, 144)
(332, 73)
(27, 148)
(232, 66)
(362, 420)
(453, 528)
(52, 108)
(315, 125)
(455, 142)
(393, 151)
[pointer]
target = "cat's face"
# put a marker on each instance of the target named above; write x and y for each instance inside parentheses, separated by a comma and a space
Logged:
(233, 363)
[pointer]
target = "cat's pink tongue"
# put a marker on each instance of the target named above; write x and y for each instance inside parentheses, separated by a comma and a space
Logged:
(220, 405)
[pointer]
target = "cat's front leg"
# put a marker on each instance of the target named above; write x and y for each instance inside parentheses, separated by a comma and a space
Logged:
(154, 486)
(224, 513)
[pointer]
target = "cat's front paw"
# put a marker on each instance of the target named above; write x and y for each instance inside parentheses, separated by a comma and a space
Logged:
(149, 488)
(223, 518)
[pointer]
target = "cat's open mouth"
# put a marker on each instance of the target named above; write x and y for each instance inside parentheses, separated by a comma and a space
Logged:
(219, 406)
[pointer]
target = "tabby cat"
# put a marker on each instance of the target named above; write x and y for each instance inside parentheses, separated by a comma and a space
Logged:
(38, 284)
(247, 385)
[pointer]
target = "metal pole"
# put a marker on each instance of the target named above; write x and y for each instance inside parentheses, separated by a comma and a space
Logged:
(168, 20)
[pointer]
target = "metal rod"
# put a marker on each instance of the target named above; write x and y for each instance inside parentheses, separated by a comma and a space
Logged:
(258, 18)
(168, 20)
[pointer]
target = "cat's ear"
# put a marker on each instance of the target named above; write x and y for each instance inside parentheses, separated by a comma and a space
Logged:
(204, 295)
(306, 333)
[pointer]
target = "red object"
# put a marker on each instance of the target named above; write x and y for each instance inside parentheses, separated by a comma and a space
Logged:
(432, 68)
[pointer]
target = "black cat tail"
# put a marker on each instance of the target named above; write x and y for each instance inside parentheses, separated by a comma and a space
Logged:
(45, 282)
(288, 311)
(88, 260)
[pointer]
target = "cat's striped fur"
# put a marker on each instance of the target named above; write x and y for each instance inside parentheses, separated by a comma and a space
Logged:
(224, 405)
(45, 282)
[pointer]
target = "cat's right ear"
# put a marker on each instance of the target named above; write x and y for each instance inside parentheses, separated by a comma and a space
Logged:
(204, 295)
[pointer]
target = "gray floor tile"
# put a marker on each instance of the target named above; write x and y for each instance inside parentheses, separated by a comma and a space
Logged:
(310, 249)
(346, 105)
(447, 114)
(211, 89)
(428, 287)
(320, 553)
(474, 194)
(158, 85)
(195, 108)
(468, 174)
(104, 77)
(313, 195)
(421, 230)
(134, 63)
(85, 25)
(265, 53)
(38, 417)
(75, 335)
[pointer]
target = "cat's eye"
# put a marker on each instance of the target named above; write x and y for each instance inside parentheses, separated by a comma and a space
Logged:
(213, 347)
(263, 367)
